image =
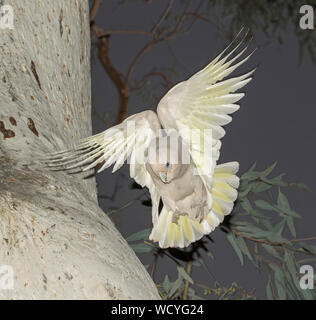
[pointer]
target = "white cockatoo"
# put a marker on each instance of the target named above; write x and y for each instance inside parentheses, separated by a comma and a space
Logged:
(179, 167)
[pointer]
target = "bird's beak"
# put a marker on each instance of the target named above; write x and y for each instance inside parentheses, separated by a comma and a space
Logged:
(163, 176)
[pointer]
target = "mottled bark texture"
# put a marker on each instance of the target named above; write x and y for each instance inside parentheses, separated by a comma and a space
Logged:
(52, 232)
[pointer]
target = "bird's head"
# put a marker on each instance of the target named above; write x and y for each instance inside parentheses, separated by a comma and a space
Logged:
(166, 171)
(165, 158)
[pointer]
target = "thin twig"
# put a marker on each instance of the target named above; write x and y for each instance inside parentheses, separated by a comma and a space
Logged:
(153, 268)
(115, 76)
(158, 38)
(120, 208)
(182, 18)
(303, 239)
(167, 82)
(94, 9)
(140, 54)
(159, 35)
(163, 16)
(186, 287)
(123, 32)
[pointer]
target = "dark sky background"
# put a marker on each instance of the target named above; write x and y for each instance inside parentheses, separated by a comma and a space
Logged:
(276, 122)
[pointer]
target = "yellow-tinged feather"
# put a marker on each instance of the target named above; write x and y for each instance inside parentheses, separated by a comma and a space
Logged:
(171, 233)
(217, 207)
(198, 226)
(222, 185)
(179, 232)
(188, 229)
(221, 195)
(163, 220)
(222, 175)
(210, 220)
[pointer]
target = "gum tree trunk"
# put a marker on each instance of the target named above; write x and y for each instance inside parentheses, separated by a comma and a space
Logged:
(53, 234)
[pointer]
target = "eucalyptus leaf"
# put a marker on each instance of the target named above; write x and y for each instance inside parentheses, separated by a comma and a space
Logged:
(283, 201)
(193, 296)
(289, 260)
(233, 241)
(291, 226)
(308, 247)
(196, 263)
(141, 248)
(267, 171)
(292, 289)
(250, 175)
(267, 224)
(275, 237)
(260, 187)
(277, 181)
(184, 274)
(166, 284)
(140, 235)
(278, 228)
(269, 292)
(253, 230)
(280, 284)
(243, 246)
(246, 205)
(271, 250)
(262, 204)
(176, 285)
(244, 193)
(307, 294)
(252, 168)
(284, 205)
(249, 172)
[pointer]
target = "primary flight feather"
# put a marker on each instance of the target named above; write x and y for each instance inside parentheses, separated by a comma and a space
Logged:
(178, 165)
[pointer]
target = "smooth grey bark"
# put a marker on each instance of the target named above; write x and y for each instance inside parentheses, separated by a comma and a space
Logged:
(59, 242)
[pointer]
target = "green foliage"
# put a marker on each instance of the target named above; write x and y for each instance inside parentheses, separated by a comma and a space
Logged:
(141, 247)
(261, 229)
(268, 214)
(176, 290)
(275, 18)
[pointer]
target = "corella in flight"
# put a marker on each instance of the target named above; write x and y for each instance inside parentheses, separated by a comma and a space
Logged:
(178, 165)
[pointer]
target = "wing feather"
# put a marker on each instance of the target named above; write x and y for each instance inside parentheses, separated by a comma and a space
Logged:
(204, 102)
(113, 147)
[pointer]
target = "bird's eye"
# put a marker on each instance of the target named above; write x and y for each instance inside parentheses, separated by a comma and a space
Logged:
(168, 166)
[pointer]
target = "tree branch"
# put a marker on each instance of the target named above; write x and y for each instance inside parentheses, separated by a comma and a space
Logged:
(163, 17)
(159, 35)
(94, 9)
(115, 76)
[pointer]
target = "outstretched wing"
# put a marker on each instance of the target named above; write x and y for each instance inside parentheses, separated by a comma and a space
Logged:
(203, 103)
(129, 139)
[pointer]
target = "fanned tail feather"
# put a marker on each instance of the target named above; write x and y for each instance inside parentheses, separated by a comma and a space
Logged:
(182, 233)
(187, 230)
